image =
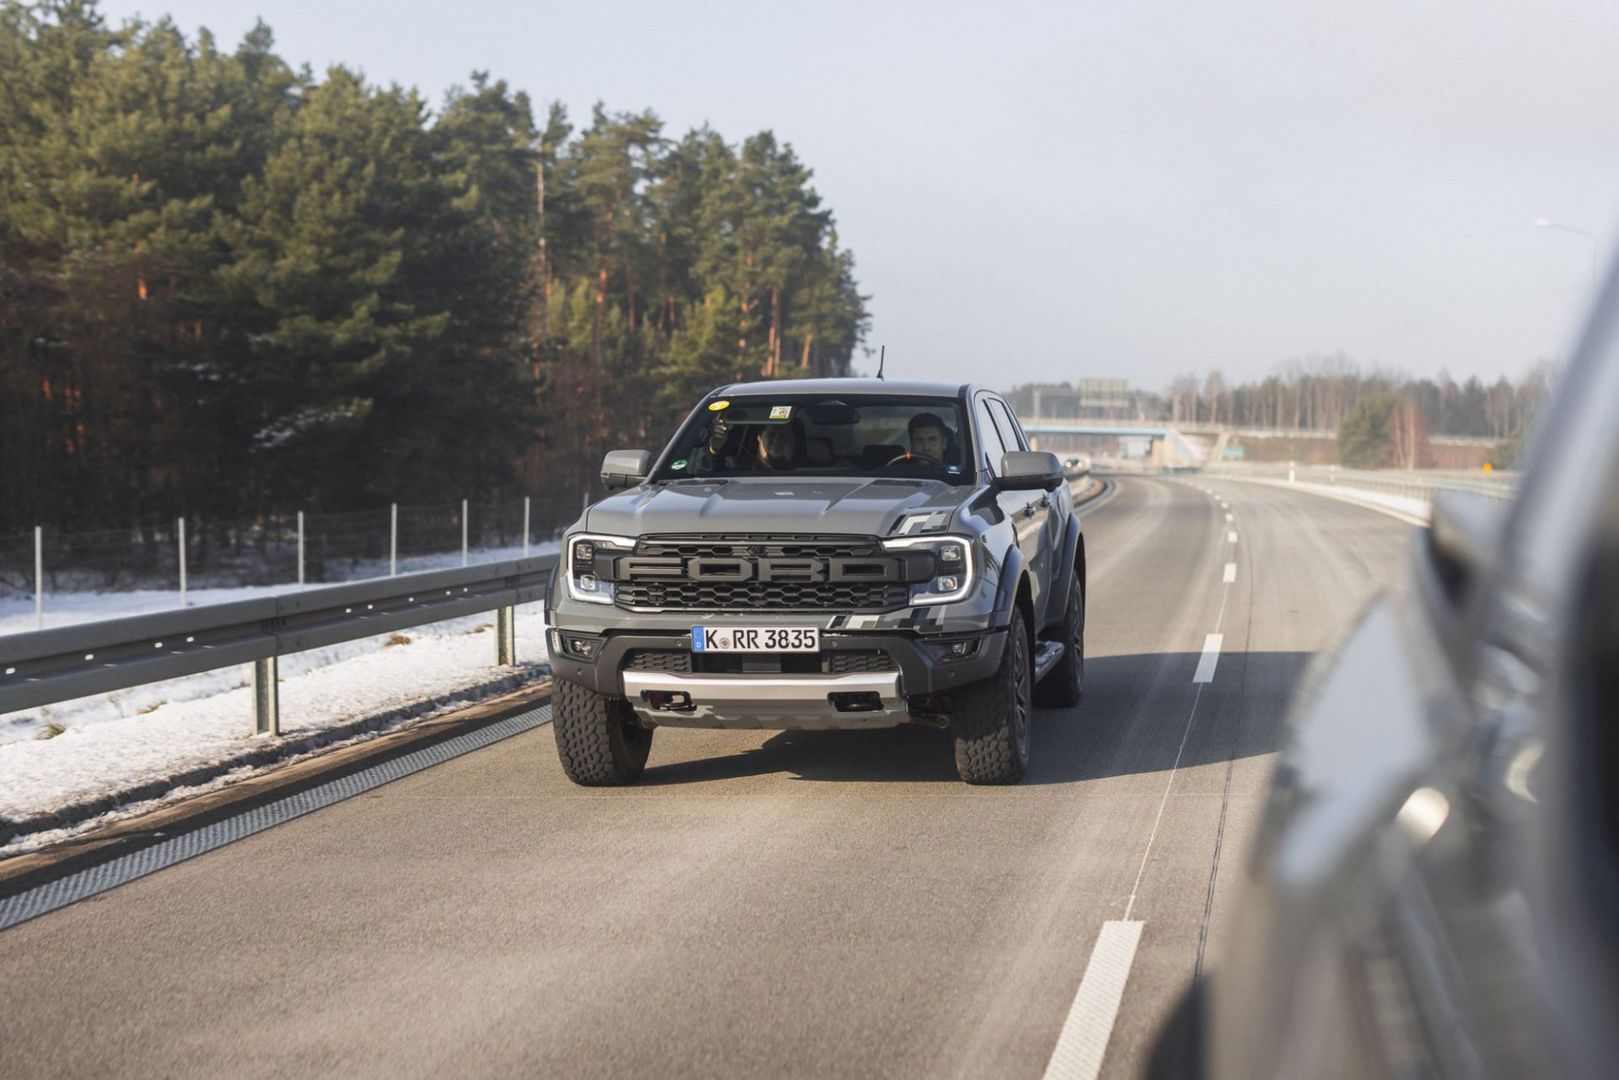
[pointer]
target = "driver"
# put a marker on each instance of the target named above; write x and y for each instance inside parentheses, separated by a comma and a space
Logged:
(929, 436)
(781, 446)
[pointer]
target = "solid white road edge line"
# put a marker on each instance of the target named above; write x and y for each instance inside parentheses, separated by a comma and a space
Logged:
(1230, 573)
(1211, 651)
(1083, 1041)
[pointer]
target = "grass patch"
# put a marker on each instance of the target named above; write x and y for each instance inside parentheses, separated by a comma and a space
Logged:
(153, 707)
(50, 731)
(396, 639)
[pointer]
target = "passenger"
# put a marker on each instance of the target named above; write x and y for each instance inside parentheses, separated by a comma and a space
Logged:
(930, 437)
(781, 446)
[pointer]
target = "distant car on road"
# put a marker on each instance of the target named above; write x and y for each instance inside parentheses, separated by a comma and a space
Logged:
(1434, 890)
(845, 553)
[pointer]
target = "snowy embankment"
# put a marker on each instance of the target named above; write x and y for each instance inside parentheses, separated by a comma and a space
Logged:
(1411, 511)
(76, 759)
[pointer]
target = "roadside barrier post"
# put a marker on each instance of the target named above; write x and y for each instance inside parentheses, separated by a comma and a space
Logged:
(463, 532)
(525, 526)
(393, 539)
(300, 547)
(182, 531)
(266, 703)
(39, 576)
(505, 637)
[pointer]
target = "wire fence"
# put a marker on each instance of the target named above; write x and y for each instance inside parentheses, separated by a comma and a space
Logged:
(280, 548)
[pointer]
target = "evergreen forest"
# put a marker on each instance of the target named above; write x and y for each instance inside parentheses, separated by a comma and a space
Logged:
(229, 286)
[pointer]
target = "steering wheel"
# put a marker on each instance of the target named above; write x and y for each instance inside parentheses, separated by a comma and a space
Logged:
(913, 455)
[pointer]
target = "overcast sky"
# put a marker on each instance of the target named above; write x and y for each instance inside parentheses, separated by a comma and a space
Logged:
(1050, 191)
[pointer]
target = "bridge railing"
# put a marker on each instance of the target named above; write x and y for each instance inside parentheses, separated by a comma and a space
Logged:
(43, 667)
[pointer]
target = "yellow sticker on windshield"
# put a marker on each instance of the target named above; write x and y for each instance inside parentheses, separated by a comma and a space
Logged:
(780, 412)
(716, 406)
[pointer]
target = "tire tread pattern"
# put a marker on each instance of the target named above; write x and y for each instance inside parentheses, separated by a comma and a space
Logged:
(597, 737)
(981, 715)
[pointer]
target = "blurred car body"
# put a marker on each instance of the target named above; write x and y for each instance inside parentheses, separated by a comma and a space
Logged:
(1434, 887)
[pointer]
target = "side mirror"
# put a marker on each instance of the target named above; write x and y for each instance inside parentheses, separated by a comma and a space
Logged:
(1463, 540)
(625, 468)
(1027, 470)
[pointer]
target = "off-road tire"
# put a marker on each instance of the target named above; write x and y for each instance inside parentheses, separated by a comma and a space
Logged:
(598, 737)
(1064, 684)
(991, 718)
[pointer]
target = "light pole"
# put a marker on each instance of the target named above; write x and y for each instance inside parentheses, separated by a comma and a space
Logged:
(1548, 223)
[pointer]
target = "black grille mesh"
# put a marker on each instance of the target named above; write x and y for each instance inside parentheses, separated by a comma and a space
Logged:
(658, 660)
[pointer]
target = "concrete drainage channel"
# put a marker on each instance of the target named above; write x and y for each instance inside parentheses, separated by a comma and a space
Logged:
(33, 900)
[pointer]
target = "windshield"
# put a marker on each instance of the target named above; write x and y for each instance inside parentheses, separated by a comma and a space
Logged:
(822, 435)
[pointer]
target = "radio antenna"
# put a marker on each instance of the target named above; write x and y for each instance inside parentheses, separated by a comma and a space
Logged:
(882, 357)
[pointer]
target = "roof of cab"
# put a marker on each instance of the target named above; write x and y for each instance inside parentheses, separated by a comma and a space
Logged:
(844, 387)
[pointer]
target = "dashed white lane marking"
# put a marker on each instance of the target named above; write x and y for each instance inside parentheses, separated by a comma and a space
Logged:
(1083, 1042)
(1229, 517)
(1211, 649)
(1230, 573)
(1232, 535)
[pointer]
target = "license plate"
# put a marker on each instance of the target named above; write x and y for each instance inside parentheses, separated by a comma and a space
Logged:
(755, 639)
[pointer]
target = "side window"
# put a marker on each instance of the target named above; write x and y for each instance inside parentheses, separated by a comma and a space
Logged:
(990, 439)
(1011, 434)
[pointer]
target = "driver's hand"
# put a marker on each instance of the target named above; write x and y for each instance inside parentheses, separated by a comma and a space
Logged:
(721, 429)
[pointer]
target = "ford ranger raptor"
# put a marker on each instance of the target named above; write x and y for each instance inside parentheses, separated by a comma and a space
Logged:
(821, 554)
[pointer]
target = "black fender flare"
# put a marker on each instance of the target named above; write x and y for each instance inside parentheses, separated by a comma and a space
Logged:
(1071, 566)
(1006, 592)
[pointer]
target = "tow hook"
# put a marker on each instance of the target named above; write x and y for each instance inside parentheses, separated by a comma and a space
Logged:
(669, 700)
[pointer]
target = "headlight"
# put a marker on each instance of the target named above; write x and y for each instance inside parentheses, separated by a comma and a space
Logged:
(580, 552)
(953, 575)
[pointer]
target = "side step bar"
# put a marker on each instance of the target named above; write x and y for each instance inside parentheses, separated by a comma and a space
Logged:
(1046, 655)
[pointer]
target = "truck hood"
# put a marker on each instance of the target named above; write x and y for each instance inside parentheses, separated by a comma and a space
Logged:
(854, 506)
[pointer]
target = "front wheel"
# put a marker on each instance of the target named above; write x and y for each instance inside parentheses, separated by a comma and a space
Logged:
(991, 718)
(598, 737)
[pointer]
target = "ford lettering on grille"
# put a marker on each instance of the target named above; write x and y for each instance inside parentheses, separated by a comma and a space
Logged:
(812, 571)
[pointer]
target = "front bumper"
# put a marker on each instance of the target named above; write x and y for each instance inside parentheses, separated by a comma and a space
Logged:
(925, 666)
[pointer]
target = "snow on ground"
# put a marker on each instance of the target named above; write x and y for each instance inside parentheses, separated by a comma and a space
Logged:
(1399, 505)
(71, 752)
(112, 753)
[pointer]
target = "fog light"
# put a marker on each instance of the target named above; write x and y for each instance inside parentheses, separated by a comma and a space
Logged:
(574, 645)
(948, 584)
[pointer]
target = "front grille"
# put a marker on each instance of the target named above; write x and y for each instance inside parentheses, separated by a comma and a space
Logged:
(838, 662)
(841, 596)
(750, 595)
(852, 661)
(658, 660)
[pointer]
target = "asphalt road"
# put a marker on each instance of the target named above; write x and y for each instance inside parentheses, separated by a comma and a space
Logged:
(813, 904)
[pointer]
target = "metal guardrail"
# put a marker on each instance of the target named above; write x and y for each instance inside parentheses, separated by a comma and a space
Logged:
(46, 666)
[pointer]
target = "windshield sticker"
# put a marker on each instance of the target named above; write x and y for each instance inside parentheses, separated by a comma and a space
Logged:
(681, 464)
(780, 412)
(716, 406)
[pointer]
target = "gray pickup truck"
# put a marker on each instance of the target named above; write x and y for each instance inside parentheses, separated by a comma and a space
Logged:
(841, 553)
